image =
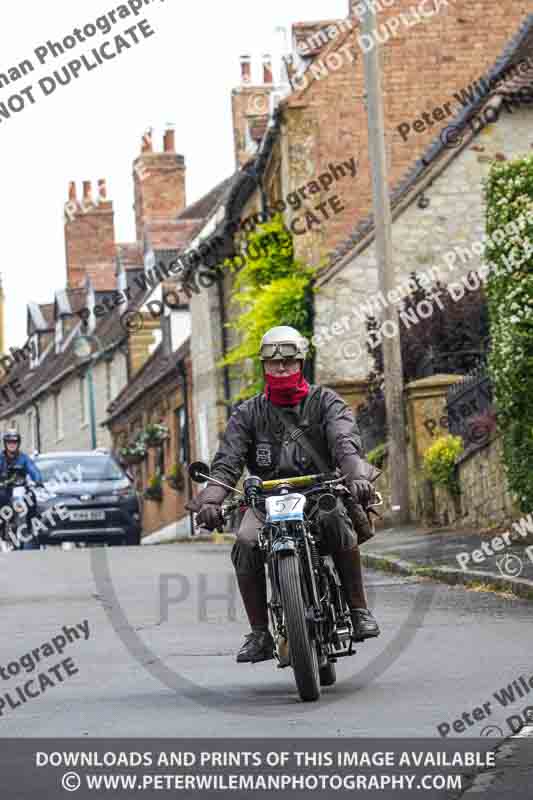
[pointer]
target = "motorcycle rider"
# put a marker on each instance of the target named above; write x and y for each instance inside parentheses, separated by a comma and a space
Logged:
(13, 457)
(257, 438)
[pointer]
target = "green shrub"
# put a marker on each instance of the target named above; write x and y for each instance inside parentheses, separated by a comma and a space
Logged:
(377, 456)
(509, 201)
(270, 288)
(439, 462)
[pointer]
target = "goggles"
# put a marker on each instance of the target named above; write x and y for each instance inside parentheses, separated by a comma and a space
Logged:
(279, 350)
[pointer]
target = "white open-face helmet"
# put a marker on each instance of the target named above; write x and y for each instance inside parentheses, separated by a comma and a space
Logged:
(283, 342)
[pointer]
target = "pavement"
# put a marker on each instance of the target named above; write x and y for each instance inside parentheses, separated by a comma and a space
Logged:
(165, 623)
(433, 553)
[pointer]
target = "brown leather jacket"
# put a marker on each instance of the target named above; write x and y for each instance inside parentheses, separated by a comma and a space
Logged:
(257, 438)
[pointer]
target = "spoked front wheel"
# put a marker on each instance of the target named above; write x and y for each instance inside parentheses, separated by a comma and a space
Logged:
(303, 655)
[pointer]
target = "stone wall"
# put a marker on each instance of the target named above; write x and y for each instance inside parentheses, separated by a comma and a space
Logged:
(421, 237)
(485, 500)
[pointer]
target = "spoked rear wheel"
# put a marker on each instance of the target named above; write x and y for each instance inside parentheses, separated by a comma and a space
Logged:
(304, 660)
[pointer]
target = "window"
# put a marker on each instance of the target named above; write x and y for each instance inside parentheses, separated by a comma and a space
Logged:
(58, 417)
(83, 400)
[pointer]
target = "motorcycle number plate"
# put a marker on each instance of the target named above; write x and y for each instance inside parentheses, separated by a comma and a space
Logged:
(285, 507)
(18, 492)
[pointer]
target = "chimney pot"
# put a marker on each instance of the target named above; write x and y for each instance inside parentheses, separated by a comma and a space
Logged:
(147, 142)
(267, 69)
(102, 190)
(246, 69)
(72, 192)
(169, 141)
(87, 192)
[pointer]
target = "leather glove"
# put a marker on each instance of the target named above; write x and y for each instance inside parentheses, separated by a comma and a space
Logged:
(213, 494)
(209, 517)
(362, 491)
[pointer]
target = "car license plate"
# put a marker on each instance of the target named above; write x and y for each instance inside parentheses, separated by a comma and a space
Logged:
(86, 516)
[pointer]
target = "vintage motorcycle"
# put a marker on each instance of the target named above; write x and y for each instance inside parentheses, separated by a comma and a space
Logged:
(310, 618)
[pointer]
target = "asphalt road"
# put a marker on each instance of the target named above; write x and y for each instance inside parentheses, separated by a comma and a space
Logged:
(155, 668)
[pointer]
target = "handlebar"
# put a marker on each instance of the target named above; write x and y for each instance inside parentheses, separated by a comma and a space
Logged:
(299, 480)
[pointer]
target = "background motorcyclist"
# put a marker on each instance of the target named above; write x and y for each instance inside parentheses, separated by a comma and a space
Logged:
(256, 438)
(13, 457)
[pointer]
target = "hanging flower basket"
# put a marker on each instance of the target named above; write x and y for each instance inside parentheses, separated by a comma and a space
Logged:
(176, 478)
(154, 435)
(134, 453)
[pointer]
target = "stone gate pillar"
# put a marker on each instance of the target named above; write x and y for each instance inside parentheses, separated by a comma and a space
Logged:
(426, 419)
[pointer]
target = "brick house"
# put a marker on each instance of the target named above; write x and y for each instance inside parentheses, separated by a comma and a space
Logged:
(314, 121)
(161, 391)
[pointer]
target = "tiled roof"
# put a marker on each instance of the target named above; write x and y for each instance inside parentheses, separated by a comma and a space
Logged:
(438, 154)
(155, 369)
(303, 31)
(56, 366)
(203, 207)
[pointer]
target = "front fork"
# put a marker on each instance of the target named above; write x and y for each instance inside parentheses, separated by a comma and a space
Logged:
(287, 547)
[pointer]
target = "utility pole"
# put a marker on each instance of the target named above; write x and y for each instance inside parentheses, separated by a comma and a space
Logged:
(392, 354)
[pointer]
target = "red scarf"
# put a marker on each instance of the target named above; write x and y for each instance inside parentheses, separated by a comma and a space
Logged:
(286, 390)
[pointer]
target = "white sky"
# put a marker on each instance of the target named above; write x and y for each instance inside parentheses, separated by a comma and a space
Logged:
(92, 128)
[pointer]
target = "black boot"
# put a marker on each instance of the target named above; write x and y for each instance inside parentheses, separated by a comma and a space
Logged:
(364, 624)
(258, 646)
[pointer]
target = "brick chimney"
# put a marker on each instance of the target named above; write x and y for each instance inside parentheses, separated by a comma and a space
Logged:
(267, 69)
(251, 108)
(159, 181)
(90, 237)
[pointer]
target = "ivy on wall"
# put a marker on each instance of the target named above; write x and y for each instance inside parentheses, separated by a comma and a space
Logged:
(509, 200)
(270, 288)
